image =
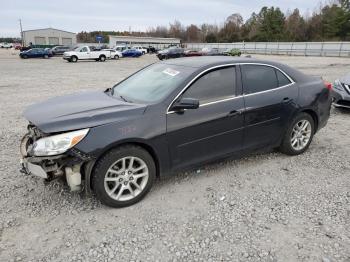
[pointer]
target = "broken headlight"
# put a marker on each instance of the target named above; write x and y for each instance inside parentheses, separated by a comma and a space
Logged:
(58, 144)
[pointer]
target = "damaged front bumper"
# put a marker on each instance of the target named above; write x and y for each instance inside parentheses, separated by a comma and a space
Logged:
(70, 164)
(32, 169)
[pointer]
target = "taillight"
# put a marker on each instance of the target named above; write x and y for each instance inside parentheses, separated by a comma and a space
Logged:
(328, 85)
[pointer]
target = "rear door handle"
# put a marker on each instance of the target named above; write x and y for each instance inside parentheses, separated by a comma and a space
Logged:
(234, 113)
(286, 100)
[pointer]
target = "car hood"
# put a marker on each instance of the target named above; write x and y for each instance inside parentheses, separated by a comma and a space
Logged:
(82, 110)
(345, 80)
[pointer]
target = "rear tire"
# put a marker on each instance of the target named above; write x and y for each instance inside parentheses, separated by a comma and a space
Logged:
(116, 57)
(299, 135)
(123, 176)
(102, 58)
(46, 56)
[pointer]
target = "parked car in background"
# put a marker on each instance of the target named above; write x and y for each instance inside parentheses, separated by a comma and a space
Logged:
(35, 53)
(341, 92)
(17, 46)
(86, 53)
(140, 48)
(59, 50)
(211, 52)
(173, 52)
(233, 52)
(168, 117)
(131, 53)
(114, 53)
(120, 48)
(6, 45)
(152, 50)
(192, 53)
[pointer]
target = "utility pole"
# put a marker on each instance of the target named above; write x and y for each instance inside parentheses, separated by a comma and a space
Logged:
(22, 38)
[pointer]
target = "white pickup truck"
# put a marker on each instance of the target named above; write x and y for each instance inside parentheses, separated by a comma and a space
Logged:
(140, 48)
(86, 53)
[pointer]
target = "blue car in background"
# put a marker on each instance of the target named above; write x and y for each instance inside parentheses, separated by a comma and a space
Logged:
(36, 53)
(131, 53)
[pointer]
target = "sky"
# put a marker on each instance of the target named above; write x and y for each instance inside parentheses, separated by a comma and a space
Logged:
(109, 15)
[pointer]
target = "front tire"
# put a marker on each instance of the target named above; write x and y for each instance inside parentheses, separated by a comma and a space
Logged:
(74, 59)
(299, 135)
(123, 176)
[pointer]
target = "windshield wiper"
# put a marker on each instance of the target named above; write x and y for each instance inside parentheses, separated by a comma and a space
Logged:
(123, 98)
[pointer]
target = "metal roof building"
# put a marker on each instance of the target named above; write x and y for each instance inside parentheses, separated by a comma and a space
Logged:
(157, 42)
(49, 36)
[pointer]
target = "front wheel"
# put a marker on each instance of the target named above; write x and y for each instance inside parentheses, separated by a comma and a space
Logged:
(46, 56)
(123, 176)
(299, 135)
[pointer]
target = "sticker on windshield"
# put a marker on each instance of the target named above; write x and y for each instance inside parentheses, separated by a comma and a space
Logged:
(171, 72)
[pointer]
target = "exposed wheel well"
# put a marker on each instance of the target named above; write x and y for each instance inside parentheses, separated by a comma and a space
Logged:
(314, 117)
(146, 147)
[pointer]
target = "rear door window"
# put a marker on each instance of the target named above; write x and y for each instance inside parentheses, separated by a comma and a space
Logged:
(258, 78)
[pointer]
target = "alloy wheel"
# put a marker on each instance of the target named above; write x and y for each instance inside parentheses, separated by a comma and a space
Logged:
(126, 178)
(301, 135)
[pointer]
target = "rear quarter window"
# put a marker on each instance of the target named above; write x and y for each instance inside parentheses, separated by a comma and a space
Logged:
(282, 79)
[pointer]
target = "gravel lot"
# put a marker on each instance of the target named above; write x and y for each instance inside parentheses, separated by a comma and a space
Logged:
(265, 207)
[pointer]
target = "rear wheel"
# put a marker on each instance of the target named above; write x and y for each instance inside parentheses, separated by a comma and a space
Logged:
(46, 56)
(102, 58)
(123, 176)
(116, 57)
(299, 135)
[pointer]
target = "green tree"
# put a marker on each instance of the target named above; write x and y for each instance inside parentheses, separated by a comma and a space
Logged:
(270, 25)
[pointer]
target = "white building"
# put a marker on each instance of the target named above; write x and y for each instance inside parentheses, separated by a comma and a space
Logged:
(157, 42)
(49, 36)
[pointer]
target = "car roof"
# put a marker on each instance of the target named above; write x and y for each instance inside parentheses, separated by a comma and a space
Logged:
(208, 61)
(204, 62)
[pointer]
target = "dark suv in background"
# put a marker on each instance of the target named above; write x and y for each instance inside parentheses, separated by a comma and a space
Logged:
(59, 50)
(173, 52)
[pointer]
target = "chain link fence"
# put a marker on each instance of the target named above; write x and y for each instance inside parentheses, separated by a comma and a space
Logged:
(335, 49)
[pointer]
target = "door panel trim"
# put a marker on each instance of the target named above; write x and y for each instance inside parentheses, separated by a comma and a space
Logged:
(264, 122)
(212, 136)
(270, 90)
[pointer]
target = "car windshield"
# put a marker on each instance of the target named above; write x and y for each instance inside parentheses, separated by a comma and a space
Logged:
(152, 83)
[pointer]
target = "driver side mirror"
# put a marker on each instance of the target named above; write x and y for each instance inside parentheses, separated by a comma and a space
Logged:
(185, 103)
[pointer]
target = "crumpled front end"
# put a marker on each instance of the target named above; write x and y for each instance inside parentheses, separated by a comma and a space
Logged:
(69, 164)
(341, 94)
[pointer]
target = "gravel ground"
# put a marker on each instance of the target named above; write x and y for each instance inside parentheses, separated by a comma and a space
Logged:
(265, 207)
